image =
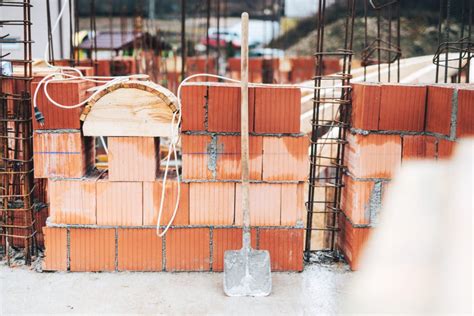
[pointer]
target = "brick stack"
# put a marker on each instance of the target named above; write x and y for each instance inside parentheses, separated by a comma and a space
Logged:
(260, 69)
(278, 166)
(392, 124)
(107, 222)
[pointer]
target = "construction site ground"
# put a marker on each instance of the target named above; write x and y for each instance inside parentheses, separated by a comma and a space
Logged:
(316, 290)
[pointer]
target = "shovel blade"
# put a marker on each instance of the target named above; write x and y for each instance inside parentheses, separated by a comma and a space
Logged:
(247, 275)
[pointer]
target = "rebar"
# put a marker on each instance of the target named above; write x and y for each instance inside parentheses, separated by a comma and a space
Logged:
(17, 224)
(454, 53)
(385, 47)
(330, 118)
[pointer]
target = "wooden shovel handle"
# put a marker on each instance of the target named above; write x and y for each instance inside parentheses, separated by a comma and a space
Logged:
(244, 115)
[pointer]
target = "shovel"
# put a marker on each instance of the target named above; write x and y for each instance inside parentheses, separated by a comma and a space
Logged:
(246, 271)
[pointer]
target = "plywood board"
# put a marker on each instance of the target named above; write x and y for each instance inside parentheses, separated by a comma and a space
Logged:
(129, 111)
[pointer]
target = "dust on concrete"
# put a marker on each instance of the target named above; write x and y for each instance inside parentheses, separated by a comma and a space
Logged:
(316, 290)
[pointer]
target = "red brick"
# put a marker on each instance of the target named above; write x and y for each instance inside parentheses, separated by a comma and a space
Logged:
(62, 154)
(445, 148)
(418, 147)
(73, 201)
(188, 249)
(55, 240)
(302, 68)
(277, 110)
(366, 106)
(219, 157)
(285, 158)
(63, 92)
(351, 241)
(224, 105)
(402, 107)
(152, 199)
(193, 107)
(92, 249)
(255, 68)
(119, 203)
(133, 158)
(224, 239)
(211, 203)
(139, 250)
(200, 64)
(292, 204)
(285, 247)
(373, 156)
(465, 120)
(264, 204)
(229, 157)
(355, 201)
(195, 157)
(438, 109)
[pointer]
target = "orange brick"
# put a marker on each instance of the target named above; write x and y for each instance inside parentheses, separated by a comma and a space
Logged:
(62, 154)
(188, 249)
(119, 203)
(219, 157)
(139, 250)
(277, 110)
(465, 118)
(229, 158)
(224, 239)
(264, 204)
(302, 68)
(438, 109)
(418, 147)
(211, 203)
(152, 199)
(373, 156)
(356, 200)
(285, 158)
(195, 157)
(200, 64)
(92, 249)
(292, 204)
(193, 107)
(73, 201)
(402, 107)
(63, 92)
(224, 105)
(55, 241)
(365, 106)
(255, 69)
(445, 148)
(351, 241)
(133, 158)
(285, 247)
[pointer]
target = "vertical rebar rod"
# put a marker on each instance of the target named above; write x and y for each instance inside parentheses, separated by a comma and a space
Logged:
(183, 39)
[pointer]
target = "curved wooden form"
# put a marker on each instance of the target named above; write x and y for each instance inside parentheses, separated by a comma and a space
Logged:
(131, 108)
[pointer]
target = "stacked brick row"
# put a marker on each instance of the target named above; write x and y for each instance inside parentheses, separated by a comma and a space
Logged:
(211, 157)
(392, 124)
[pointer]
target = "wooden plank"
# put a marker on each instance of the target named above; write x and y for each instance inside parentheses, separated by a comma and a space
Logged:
(129, 112)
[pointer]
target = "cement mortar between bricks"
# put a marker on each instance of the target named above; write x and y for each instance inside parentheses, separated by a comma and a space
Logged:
(358, 131)
(212, 151)
(239, 181)
(206, 133)
(299, 225)
(57, 131)
(454, 114)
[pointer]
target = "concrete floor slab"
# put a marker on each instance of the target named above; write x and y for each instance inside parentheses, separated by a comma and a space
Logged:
(317, 290)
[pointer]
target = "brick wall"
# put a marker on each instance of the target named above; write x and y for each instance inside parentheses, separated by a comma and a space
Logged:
(107, 222)
(392, 124)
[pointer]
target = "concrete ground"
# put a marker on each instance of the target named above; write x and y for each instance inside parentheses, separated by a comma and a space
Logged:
(317, 290)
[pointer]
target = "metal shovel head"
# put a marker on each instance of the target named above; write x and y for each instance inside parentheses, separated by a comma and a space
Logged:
(247, 274)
